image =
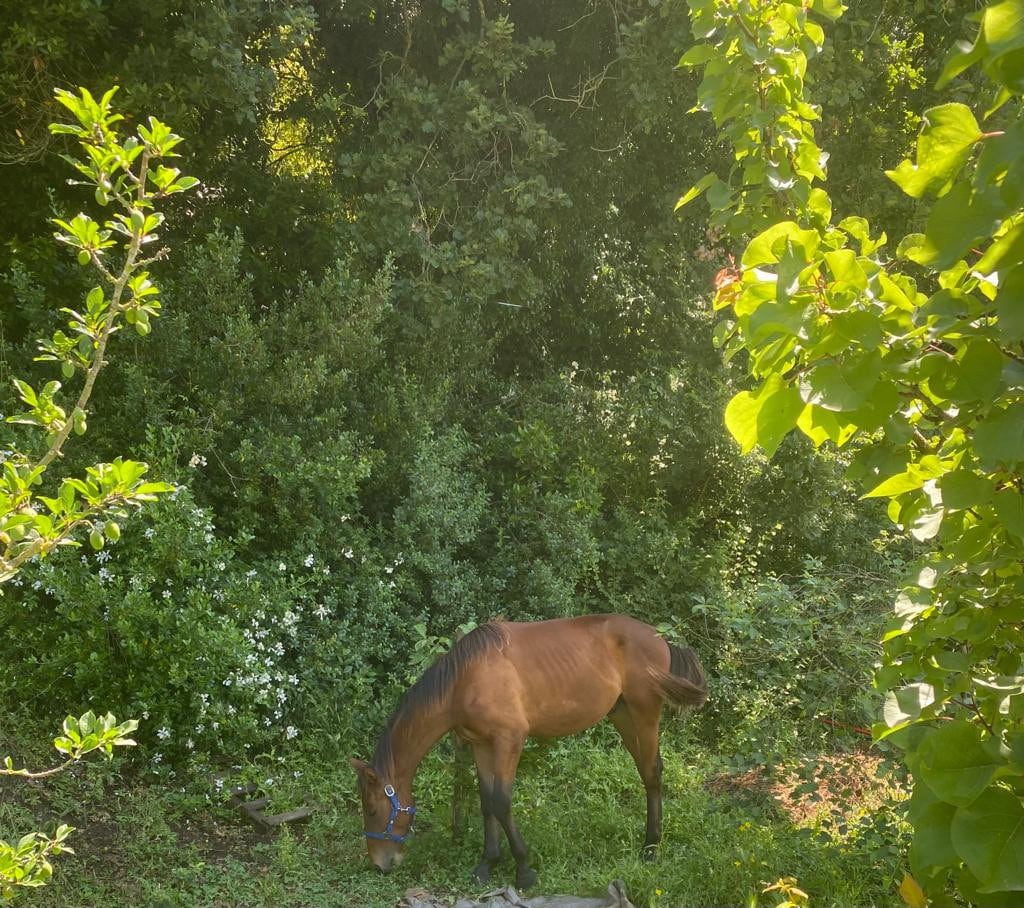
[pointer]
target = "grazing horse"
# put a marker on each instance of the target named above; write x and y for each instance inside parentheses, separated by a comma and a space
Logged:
(504, 682)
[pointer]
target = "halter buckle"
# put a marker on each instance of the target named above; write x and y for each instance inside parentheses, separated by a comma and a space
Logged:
(396, 808)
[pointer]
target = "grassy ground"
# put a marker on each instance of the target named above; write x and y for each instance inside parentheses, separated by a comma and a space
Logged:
(579, 804)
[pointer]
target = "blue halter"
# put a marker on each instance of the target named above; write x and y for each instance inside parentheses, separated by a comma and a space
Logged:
(396, 809)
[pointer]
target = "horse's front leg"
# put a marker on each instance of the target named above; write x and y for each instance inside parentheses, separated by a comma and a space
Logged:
(506, 751)
(492, 829)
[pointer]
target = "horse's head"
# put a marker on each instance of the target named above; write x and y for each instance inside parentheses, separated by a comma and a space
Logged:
(386, 820)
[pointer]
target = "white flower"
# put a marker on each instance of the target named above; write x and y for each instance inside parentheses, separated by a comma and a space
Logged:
(281, 566)
(293, 679)
(37, 584)
(105, 574)
(269, 782)
(189, 743)
(250, 574)
(297, 774)
(157, 758)
(291, 732)
(390, 569)
(348, 553)
(85, 560)
(163, 733)
(197, 460)
(327, 569)
(145, 714)
(221, 565)
(309, 561)
(150, 533)
(166, 594)
(321, 611)
(219, 784)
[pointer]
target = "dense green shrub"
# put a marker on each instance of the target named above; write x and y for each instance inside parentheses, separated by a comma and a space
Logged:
(431, 312)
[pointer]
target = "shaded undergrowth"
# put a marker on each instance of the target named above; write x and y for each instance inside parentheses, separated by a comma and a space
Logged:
(578, 802)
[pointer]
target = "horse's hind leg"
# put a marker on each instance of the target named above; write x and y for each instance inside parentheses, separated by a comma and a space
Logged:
(639, 730)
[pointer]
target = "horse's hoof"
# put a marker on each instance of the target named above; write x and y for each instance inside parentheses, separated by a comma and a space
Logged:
(482, 873)
(526, 878)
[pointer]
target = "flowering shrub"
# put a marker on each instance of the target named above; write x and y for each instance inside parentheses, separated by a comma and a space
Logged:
(205, 646)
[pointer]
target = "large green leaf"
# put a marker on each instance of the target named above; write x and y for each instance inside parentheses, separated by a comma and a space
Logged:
(979, 371)
(947, 138)
(765, 416)
(958, 221)
(955, 764)
(963, 489)
(906, 704)
(915, 476)
(769, 246)
(823, 425)
(1002, 29)
(969, 888)
(704, 182)
(842, 386)
(1004, 253)
(999, 437)
(1010, 305)
(1010, 511)
(844, 267)
(932, 846)
(989, 836)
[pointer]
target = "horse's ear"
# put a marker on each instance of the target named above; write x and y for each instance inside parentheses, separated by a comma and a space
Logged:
(363, 769)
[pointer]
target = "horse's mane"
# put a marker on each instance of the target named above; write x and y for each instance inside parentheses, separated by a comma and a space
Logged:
(435, 684)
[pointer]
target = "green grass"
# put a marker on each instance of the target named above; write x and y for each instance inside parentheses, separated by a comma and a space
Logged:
(578, 802)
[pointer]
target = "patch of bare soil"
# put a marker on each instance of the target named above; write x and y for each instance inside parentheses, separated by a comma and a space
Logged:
(840, 785)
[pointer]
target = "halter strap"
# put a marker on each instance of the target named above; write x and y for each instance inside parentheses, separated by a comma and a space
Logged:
(396, 809)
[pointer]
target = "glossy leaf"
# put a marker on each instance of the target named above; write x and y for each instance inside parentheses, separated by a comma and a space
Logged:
(763, 417)
(954, 763)
(989, 836)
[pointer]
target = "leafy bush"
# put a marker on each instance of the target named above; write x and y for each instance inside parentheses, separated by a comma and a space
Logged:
(206, 648)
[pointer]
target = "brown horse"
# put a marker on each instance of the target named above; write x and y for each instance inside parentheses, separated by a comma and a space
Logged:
(506, 681)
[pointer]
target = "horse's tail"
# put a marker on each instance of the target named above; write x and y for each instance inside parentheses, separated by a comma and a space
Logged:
(684, 683)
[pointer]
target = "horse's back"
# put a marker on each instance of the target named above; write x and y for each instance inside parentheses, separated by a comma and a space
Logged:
(557, 677)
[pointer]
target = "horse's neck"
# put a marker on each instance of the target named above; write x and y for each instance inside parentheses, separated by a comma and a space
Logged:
(412, 735)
